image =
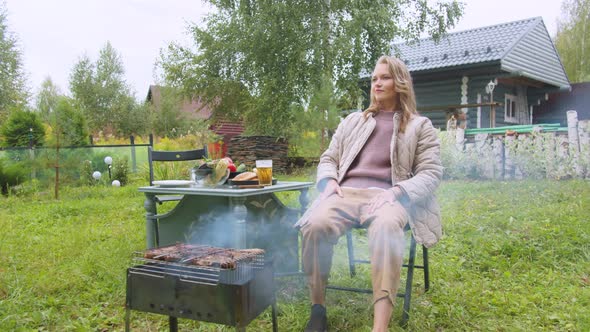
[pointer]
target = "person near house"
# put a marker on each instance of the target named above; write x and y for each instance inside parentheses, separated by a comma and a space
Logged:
(380, 171)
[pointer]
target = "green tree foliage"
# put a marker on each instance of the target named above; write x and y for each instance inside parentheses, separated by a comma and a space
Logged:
(100, 91)
(168, 120)
(256, 59)
(47, 99)
(69, 123)
(13, 90)
(311, 132)
(573, 39)
(23, 128)
(82, 85)
(133, 118)
(61, 114)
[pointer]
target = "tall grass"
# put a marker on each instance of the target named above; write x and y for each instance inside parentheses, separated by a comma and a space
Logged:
(515, 257)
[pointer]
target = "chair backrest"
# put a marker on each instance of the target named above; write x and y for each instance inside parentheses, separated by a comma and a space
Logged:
(173, 156)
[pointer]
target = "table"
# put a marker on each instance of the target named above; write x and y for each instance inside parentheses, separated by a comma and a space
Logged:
(229, 217)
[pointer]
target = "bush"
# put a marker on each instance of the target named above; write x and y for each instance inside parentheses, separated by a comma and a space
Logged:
(475, 161)
(120, 169)
(542, 155)
(535, 156)
(11, 175)
(86, 173)
(23, 128)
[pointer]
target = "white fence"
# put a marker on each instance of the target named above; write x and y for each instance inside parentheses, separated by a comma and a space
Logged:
(537, 154)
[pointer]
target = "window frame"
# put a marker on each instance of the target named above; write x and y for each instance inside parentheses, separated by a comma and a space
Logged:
(510, 106)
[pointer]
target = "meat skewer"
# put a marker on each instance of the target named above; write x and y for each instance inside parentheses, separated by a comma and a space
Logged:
(203, 255)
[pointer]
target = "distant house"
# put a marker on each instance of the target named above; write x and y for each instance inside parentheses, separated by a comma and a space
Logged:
(193, 109)
(451, 76)
(196, 109)
(554, 109)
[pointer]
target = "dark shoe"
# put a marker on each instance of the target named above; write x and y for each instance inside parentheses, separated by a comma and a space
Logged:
(318, 321)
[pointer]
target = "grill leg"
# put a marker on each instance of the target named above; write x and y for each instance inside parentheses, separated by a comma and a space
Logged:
(275, 327)
(127, 317)
(173, 322)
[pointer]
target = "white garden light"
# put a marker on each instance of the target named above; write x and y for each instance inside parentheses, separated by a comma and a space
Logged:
(96, 175)
(116, 183)
(109, 161)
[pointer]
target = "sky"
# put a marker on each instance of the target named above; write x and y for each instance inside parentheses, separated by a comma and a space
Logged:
(54, 34)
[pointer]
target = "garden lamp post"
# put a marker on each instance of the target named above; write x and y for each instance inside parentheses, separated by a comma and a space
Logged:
(30, 138)
(490, 90)
(109, 161)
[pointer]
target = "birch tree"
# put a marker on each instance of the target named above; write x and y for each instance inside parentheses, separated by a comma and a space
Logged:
(99, 89)
(13, 89)
(258, 59)
(573, 39)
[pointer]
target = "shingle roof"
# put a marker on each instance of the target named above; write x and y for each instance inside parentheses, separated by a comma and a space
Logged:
(521, 47)
(465, 47)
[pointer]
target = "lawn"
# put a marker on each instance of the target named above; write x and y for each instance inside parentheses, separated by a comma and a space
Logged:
(515, 257)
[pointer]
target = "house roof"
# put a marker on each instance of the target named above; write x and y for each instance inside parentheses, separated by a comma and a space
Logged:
(194, 108)
(522, 48)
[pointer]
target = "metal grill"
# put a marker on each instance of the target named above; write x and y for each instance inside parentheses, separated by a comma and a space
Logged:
(230, 287)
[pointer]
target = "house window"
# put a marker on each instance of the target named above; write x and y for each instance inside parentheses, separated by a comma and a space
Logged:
(510, 108)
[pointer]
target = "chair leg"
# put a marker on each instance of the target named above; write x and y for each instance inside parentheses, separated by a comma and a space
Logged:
(409, 279)
(350, 247)
(426, 269)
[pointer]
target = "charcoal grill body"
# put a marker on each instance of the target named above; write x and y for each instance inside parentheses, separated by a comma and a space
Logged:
(182, 293)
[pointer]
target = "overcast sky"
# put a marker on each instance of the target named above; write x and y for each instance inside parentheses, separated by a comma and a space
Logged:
(53, 34)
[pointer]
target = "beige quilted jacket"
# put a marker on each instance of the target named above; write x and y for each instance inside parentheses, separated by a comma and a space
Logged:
(416, 167)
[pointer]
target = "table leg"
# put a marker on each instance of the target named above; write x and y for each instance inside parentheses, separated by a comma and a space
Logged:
(240, 212)
(150, 221)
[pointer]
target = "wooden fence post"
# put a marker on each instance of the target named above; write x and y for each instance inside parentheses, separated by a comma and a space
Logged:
(573, 140)
(133, 157)
(584, 141)
(572, 130)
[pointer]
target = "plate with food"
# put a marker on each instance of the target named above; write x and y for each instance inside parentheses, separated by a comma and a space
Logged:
(213, 173)
(246, 179)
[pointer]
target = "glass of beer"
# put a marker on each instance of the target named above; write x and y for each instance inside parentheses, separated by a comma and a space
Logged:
(264, 171)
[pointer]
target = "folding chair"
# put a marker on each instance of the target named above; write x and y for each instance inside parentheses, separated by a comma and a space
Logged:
(409, 265)
(170, 156)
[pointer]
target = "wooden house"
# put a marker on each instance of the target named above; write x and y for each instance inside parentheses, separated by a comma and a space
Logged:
(558, 103)
(453, 77)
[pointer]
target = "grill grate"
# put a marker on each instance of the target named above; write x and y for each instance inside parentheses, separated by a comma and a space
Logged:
(200, 264)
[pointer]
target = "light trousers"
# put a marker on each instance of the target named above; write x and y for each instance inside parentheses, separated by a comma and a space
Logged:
(329, 220)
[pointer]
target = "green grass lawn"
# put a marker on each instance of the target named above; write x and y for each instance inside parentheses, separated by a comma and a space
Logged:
(515, 257)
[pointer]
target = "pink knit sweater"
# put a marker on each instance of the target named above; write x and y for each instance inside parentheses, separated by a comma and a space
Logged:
(372, 167)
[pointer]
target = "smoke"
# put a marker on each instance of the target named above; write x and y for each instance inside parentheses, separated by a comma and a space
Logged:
(260, 222)
(217, 228)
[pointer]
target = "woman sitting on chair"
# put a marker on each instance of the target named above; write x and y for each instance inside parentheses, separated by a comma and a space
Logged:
(380, 171)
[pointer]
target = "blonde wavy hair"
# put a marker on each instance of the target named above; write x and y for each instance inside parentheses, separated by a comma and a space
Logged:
(404, 88)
